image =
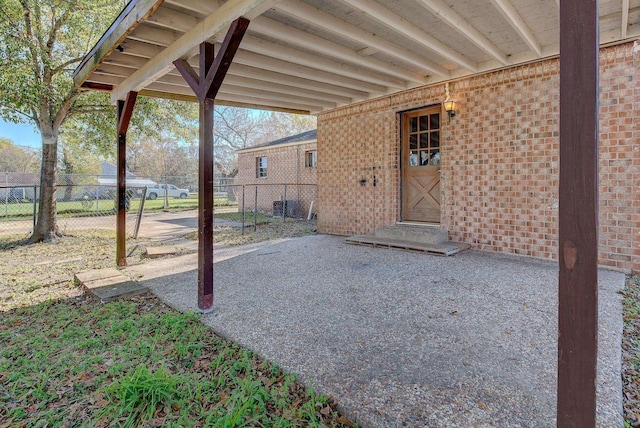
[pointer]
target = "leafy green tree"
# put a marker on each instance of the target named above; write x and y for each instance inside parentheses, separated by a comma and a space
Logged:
(17, 159)
(41, 42)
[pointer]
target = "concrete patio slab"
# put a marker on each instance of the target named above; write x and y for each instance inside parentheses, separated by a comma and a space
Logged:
(399, 338)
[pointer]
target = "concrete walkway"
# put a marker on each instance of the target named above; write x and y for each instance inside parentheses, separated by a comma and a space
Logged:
(398, 338)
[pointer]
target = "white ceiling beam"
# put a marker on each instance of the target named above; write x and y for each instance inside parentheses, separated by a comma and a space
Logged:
(317, 17)
(185, 90)
(368, 51)
(291, 35)
(173, 20)
(374, 44)
(141, 49)
(440, 9)
(625, 19)
(211, 26)
(304, 72)
(333, 86)
(97, 77)
(175, 78)
(177, 21)
(204, 7)
(149, 93)
(154, 35)
(512, 16)
(229, 88)
(400, 25)
(274, 50)
(285, 89)
(242, 70)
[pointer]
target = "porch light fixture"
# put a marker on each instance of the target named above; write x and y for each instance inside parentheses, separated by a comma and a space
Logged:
(450, 107)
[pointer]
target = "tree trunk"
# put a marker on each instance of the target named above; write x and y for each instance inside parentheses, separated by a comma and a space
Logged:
(69, 168)
(47, 224)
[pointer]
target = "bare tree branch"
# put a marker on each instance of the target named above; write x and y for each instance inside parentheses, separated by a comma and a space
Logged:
(65, 64)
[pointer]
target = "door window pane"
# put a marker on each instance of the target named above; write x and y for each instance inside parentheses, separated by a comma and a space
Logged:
(435, 139)
(413, 124)
(413, 158)
(424, 140)
(413, 142)
(424, 157)
(435, 121)
(435, 157)
(424, 123)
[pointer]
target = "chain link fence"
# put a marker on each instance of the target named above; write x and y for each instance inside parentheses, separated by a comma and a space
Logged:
(89, 202)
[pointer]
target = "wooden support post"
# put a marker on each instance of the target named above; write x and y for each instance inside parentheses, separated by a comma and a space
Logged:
(125, 110)
(578, 214)
(205, 85)
(205, 193)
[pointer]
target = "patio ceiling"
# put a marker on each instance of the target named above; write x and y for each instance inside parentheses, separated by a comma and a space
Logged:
(308, 56)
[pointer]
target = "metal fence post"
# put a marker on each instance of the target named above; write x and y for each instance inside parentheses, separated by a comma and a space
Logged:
(140, 210)
(166, 193)
(34, 207)
(284, 203)
(255, 210)
(243, 209)
(6, 196)
(97, 199)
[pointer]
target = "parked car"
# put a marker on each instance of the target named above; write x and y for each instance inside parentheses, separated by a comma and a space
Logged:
(158, 191)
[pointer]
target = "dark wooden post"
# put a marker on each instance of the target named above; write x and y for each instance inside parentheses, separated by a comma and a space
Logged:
(205, 193)
(206, 84)
(578, 214)
(125, 110)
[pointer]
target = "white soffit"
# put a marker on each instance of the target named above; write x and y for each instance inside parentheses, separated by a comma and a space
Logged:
(308, 56)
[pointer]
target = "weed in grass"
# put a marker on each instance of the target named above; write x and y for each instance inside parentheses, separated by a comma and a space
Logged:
(137, 395)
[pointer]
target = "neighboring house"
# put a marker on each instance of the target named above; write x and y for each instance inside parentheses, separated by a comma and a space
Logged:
(108, 172)
(18, 186)
(108, 177)
(290, 161)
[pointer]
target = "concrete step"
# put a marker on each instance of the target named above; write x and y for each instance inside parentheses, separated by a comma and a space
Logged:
(413, 233)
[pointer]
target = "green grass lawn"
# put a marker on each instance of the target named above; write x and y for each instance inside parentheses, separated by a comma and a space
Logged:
(137, 363)
(102, 207)
(631, 352)
(68, 360)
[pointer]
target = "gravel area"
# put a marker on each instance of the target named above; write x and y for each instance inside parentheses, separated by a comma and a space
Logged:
(401, 338)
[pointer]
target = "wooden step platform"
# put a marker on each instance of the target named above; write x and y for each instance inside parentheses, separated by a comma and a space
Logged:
(443, 249)
(109, 284)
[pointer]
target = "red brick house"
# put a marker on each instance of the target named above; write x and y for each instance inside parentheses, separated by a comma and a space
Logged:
(291, 162)
(494, 184)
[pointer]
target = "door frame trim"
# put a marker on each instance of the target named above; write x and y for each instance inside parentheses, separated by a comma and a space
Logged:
(401, 114)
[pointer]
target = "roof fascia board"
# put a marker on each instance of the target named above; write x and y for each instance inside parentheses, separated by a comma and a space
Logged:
(131, 16)
(275, 146)
(209, 27)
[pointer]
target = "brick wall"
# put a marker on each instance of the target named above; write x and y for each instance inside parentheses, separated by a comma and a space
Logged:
(285, 166)
(499, 160)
